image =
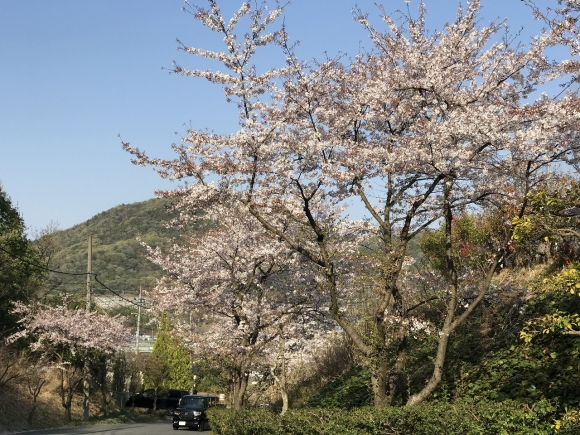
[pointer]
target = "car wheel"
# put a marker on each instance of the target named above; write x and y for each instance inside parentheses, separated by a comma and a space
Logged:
(200, 427)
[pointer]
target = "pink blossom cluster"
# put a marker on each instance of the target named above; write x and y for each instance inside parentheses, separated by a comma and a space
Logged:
(77, 330)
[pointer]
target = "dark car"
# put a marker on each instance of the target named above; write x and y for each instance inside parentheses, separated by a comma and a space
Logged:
(166, 399)
(191, 411)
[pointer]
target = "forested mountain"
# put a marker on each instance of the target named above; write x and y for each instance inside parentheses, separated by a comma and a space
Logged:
(118, 256)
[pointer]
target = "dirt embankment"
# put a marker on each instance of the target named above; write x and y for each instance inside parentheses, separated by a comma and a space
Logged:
(16, 404)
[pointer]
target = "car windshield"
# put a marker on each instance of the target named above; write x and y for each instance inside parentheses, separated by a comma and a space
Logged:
(191, 402)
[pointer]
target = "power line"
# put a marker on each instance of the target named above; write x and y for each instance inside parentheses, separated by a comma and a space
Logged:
(117, 294)
(40, 266)
(103, 291)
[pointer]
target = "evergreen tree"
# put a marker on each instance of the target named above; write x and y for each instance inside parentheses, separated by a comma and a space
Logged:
(174, 355)
(19, 278)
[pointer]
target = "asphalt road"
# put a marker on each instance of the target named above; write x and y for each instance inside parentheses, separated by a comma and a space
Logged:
(114, 429)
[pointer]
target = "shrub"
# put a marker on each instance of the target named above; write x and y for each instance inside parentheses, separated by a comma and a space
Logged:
(460, 417)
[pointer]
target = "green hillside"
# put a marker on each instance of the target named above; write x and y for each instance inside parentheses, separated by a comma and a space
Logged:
(118, 257)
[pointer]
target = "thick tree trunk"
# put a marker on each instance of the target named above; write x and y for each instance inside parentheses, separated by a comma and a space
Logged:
(379, 374)
(395, 373)
(68, 385)
(284, 402)
(281, 382)
(107, 398)
(385, 376)
(240, 387)
(65, 396)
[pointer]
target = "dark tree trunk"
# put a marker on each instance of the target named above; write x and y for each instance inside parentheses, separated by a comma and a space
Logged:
(240, 387)
(31, 413)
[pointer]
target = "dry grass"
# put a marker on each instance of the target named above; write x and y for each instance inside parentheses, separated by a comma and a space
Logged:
(519, 277)
(17, 403)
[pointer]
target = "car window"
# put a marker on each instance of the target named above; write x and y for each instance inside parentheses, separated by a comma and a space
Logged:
(191, 402)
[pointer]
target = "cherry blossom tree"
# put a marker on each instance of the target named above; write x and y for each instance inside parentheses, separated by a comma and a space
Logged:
(240, 284)
(420, 129)
(294, 349)
(66, 338)
(562, 20)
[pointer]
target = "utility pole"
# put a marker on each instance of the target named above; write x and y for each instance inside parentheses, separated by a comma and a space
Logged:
(138, 302)
(89, 273)
(86, 369)
(138, 322)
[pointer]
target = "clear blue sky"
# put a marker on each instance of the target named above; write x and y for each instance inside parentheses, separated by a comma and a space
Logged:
(75, 74)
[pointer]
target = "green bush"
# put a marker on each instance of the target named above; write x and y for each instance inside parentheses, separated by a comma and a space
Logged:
(244, 422)
(461, 417)
(350, 390)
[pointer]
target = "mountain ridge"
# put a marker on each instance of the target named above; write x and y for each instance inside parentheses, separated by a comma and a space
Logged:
(118, 257)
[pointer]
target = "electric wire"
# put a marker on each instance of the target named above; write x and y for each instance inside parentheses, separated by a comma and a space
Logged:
(39, 266)
(93, 274)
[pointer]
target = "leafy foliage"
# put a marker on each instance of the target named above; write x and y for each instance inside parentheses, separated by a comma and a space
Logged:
(560, 296)
(350, 390)
(19, 280)
(461, 417)
(173, 356)
(496, 355)
(551, 226)
(473, 247)
(154, 371)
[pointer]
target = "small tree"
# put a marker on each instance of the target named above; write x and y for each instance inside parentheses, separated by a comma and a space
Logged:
(294, 347)
(19, 279)
(168, 348)
(121, 374)
(101, 368)
(10, 364)
(36, 377)
(562, 289)
(154, 373)
(135, 366)
(67, 338)
(240, 285)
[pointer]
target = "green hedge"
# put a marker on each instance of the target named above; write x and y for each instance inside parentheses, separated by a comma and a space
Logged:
(464, 417)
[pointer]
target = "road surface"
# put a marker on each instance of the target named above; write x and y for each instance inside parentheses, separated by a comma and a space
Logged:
(114, 429)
